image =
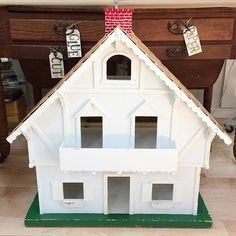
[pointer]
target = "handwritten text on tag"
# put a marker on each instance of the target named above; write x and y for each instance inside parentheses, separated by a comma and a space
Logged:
(192, 41)
(56, 65)
(73, 43)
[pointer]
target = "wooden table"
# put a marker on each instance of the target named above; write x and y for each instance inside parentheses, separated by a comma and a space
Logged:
(28, 33)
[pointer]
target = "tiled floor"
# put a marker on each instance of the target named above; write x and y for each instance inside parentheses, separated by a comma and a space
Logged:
(18, 187)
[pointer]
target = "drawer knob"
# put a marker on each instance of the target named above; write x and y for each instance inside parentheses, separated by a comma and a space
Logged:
(178, 27)
(60, 28)
(176, 52)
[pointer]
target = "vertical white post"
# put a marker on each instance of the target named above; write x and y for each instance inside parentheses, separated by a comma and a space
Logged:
(131, 195)
(105, 196)
(196, 190)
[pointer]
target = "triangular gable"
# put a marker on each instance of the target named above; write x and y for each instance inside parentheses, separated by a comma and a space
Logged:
(90, 108)
(143, 109)
(150, 60)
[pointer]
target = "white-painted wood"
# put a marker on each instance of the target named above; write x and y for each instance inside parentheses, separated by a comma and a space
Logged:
(88, 192)
(146, 192)
(191, 140)
(184, 136)
(64, 106)
(196, 190)
(149, 160)
(105, 194)
(133, 82)
(44, 138)
(209, 136)
(178, 192)
(40, 190)
(90, 108)
(57, 190)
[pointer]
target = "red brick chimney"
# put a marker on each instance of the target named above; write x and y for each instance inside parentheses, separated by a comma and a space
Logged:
(118, 17)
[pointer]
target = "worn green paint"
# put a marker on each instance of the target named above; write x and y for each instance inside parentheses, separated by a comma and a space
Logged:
(201, 220)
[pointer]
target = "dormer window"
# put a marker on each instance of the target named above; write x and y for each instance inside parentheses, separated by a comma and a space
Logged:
(145, 132)
(91, 132)
(119, 68)
(89, 121)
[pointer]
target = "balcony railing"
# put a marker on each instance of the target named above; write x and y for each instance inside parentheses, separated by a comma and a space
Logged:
(118, 160)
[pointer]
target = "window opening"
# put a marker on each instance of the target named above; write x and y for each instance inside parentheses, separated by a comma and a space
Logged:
(118, 68)
(162, 191)
(73, 190)
(91, 132)
(145, 132)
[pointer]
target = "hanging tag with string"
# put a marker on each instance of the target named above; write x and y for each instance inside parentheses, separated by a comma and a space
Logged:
(73, 42)
(56, 64)
(192, 39)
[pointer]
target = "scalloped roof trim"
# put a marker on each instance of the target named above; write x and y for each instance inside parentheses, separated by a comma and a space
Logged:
(144, 54)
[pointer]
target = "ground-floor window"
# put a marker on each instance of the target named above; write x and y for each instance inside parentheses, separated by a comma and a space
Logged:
(73, 190)
(162, 192)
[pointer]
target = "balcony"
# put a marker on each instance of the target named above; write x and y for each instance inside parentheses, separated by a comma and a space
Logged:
(118, 160)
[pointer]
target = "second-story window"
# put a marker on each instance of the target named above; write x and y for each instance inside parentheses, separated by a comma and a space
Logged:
(145, 132)
(91, 132)
(119, 68)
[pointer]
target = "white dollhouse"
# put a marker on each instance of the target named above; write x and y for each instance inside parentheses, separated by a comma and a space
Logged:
(119, 134)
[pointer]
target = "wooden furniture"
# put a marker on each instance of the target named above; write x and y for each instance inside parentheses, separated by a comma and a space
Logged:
(28, 33)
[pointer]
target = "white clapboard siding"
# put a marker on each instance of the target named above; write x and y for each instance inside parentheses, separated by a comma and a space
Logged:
(178, 192)
(146, 192)
(57, 190)
(89, 192)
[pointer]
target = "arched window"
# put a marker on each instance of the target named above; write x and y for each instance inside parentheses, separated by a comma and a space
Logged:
(119, 68)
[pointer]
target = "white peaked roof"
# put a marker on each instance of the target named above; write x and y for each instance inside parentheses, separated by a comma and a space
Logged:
(144, 54)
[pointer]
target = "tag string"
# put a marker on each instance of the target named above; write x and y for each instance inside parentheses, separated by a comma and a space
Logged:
(56, 50)
(116, 3)
(72, 28)
(187, 26)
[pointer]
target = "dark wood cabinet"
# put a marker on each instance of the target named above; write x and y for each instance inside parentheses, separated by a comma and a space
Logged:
(28, 33)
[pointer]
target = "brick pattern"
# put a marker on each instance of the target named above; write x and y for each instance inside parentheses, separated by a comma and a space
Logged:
(118, 17)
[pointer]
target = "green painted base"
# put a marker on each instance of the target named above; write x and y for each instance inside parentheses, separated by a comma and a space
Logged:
(201, 220)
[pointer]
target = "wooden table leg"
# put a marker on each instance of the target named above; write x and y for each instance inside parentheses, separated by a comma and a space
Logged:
(4, 145)
(208, 98)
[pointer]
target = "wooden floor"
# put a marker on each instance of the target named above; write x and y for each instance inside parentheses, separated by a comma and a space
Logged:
(18, 187)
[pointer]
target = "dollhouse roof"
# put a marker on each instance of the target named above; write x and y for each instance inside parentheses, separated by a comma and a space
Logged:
(144, 54)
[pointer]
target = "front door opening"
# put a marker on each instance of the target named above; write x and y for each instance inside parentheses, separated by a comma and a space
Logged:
(118, 194)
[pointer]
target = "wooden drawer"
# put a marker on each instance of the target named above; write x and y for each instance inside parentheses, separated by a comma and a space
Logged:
(45, 30)
(216, 29)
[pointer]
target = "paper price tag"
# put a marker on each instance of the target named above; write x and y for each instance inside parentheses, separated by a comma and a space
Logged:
(73, 43)
(56, 65)
(192, 41)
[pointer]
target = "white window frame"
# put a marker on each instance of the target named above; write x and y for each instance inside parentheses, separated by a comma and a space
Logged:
(142, 109)
(134, 77)
(72, 182)
(162, 204)
(78, 129)
(133, 128)
(58, 193)
(83, 112)
(73, 202)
